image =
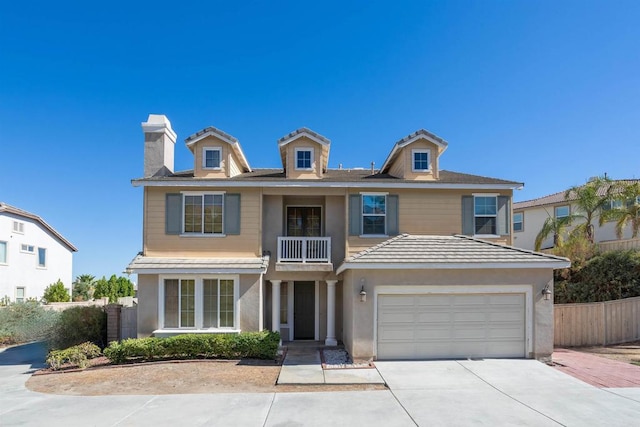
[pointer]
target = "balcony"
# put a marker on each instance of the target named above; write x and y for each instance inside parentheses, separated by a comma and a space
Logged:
(304, 254)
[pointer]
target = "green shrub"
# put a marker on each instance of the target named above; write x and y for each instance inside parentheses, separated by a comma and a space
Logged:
(79, 324)
(26, 321)
(77, 355)
(257, 345)
(56, 292)
(608, 276)
(113, 288)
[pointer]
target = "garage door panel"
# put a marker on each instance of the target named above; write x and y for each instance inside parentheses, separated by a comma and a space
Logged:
(451, 326)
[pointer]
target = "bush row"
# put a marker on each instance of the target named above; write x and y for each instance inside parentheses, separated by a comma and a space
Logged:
(26, 321)
(256, 345)
(77, 355)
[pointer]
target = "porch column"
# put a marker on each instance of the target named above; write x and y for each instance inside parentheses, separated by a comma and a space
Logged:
(331, 313)
(275, 305)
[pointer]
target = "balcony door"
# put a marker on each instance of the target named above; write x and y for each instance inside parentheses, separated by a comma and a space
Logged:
(304, 221)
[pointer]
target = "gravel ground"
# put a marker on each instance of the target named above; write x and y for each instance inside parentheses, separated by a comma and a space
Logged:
(339, 358)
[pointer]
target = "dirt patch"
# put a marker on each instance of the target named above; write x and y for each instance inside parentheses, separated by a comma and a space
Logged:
(627, 352)
(178, 377)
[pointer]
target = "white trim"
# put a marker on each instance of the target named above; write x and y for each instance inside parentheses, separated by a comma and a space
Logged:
(362, 214)
(413, 159)
(486, 236)
(513, 222)
(6, 253)
(374, 193)
(316, 316)
(202, 195)
(43, 265)
(204, 158)
(303, 150)
(196, 271)
(527, 290)
(27, 251)
(286, 219)
(451, 265)
(20, 227)
(228, 183)
(485, 194)
(24, 293)
(300, 135)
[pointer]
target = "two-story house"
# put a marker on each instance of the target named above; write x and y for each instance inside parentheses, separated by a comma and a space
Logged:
(408, 261)
(33, 255)
(529, 217)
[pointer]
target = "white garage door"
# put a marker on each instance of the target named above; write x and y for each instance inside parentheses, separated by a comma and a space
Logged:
(440, 326)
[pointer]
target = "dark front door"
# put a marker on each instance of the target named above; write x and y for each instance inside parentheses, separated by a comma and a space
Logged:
(303, 221)
(304, 310)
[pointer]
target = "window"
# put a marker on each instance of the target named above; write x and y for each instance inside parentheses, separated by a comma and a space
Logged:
(179, 303)
(27, 248)
(199, 303)
(42, 257)
(18, 227)
(20, 292)
(304, 158)
(3, 252)
(562, 211)
(203, 213)
(374, 212)
(420, 160)
(211, 158)
(518, 221)
(218, 303)
(485, 209)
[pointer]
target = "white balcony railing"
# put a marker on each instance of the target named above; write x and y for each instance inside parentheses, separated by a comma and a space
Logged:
(304, 249)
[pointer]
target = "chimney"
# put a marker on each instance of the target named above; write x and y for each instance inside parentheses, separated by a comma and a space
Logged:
(159, 143)
(373, 166)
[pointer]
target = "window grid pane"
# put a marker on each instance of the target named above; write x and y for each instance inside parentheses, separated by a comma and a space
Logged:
(374, 210)
(193, 214)
(421, 161)
(210, 303)
(562, 211)
(212, 159)
(517, 221)
(303, 159)
(42, 257)
(226, 304)
(187, 303)
(171, 303)
(213, 213)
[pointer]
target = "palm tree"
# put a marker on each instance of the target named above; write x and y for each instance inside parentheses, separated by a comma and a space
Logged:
(628, 212)
(589, 199)
(553, 226)
(83, 287)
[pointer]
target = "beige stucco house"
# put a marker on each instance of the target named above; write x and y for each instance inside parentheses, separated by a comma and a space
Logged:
(406, 262)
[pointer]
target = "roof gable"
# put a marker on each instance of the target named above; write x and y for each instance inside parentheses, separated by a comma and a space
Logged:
(223, 136)
(28, 215)
(410, 139)
(324, 142)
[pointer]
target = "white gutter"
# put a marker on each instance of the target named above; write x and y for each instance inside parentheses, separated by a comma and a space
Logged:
(450, 265)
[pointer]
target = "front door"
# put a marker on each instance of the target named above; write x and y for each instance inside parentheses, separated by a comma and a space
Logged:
(304, 221)
(304, 310)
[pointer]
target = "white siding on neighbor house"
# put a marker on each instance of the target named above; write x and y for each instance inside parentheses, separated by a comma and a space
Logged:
(535, 217)
(21, 269)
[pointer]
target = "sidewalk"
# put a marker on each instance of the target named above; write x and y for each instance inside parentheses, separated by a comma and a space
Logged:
(595, 370)
(302, 365)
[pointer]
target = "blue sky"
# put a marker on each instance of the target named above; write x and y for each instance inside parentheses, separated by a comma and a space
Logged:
(543, 92)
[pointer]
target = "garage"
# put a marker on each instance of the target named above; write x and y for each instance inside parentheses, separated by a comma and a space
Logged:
(445, 326)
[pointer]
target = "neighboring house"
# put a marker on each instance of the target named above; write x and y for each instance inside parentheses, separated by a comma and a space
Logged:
(529, 217)
(390, 262)
(33, 255)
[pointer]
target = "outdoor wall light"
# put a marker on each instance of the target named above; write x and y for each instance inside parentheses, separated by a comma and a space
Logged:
(363, 293)
(546, 293)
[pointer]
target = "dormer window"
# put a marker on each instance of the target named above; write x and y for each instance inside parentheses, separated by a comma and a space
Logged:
(211, 157)
(421, 160)
(304, 158)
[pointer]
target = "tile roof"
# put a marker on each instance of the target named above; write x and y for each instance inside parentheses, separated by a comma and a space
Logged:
(422, 132)
(149, 265)
(24, 214)
(304, 130)
(213, 130)
(558, 197)
(416, 251)
(346, 175)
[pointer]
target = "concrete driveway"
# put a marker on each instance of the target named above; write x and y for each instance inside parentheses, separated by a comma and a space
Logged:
(489, 392)
(504, 392)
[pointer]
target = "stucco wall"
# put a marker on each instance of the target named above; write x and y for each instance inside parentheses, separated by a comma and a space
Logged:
(147, 304)
(359, 317)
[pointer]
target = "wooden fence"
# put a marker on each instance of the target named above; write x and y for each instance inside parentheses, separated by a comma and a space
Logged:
(613, 245)
(598, 323)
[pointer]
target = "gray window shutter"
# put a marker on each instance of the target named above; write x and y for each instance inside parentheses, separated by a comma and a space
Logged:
(355, 214)
(467, 216)
(232, 214)
(392, 215)
(503, 216)
(173, 213)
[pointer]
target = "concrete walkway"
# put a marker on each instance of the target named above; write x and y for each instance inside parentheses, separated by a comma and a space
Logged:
(596, 370)
(302, 365)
